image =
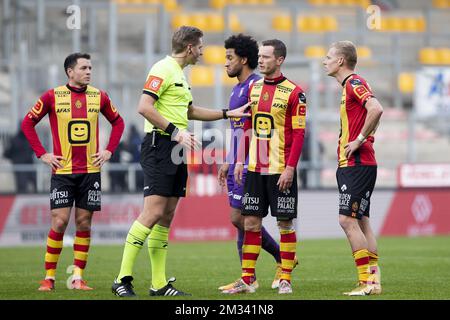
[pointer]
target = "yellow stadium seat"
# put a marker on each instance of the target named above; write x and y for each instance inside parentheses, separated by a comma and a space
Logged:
(334, 2)
(170, 5)
(266, 2)
(394, 24)
(200, 20)
(127, 6)
(428, 56)
(364, 52)
(348, 2)
(441, 4)
(317, 2)
(180, 19)
(216, 23)
(421, 24)
(406, 82)
(410, 24)
(443, 56)
(383, 25)
(214, 55)
(236, 2)
(217, 4)
(329, 24)
(201, 76)
(413, 24)
(234, 24)
(226, 80)
(282, 22)
(363, 3)
(309, 24)
(315, 52)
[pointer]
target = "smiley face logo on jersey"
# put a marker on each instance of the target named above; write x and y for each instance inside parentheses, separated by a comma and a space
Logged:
(79, 132)
(263, 124)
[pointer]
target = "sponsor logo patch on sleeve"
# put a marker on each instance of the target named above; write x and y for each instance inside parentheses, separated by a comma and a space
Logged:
(301, 110)
(298, 122)
(153, 84)
(361, 91)
(37, 109)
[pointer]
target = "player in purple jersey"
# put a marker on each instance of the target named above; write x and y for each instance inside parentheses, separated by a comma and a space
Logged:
(241, 60)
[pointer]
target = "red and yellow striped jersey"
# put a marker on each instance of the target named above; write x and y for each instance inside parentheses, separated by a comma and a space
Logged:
(73, 115)
(355, 94)
(278, 108)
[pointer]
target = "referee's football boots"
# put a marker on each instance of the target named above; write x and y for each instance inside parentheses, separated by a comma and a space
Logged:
(123, 288)
(168, 290)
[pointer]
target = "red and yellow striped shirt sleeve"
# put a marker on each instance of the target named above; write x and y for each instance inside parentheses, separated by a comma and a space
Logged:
(297, 106)
(32, 118)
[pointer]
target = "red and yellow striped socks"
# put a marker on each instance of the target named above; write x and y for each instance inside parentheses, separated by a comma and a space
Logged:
(288, 242)
(373, 263)
(250, 252)
(80, 252)
(54, 247)
(362, 264)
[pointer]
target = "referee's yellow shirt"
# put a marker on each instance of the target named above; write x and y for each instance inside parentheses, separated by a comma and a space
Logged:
(167, 84)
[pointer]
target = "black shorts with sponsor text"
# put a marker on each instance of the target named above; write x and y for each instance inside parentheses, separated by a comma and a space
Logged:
(165, 172)
(355, 186)
(85, 189)
(261, 193)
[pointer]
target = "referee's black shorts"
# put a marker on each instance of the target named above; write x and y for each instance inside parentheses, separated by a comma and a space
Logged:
(355, 186)
(165, 174)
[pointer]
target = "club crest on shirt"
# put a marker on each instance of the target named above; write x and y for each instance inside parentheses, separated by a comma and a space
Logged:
(78, 104)
(266, 96)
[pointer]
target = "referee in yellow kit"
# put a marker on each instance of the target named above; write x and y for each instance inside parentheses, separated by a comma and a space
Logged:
(166, 105)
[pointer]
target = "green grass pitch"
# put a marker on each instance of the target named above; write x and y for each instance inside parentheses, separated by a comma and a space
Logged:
(412, 268)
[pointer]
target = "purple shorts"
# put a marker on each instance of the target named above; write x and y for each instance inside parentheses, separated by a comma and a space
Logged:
(235, 191)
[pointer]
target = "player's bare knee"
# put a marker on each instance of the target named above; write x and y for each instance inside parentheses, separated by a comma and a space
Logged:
(346, 222)
(237, 222)
(237, 219)
(83, 224)
(59, 224)
(252, 223)
(166, 218)
(286, 225)
(151, 215)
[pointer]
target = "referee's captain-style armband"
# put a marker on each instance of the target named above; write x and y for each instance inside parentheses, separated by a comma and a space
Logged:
(224, 113)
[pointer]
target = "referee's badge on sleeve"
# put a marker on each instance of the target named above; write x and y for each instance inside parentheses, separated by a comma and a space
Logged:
(153, 83)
